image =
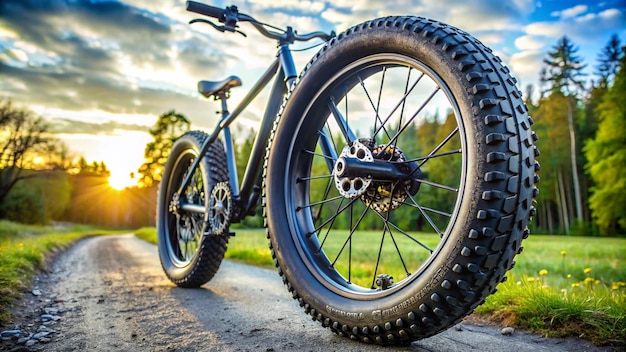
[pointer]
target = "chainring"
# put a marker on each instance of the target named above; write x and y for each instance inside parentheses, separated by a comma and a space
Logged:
(220, 208)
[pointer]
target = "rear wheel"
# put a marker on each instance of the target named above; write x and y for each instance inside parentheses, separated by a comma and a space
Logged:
(189, 256)
(400, 179)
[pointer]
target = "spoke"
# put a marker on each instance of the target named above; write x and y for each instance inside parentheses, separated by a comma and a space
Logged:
(406, 87)
(382, 125)
(437, 185)
(425, 215)
(452, 152)
(328, 231)
(318, 154)
(300, 179)
(352, 230)
(350, 249)
(397, 248)
(408, 123)
(331, 219)
(446, 140)
(345, 98)
(380, 95)
(380, 250)
(401, 102)
(318, 203)
(431, 210)
(341, 121)
(403, 232)
(326, 192)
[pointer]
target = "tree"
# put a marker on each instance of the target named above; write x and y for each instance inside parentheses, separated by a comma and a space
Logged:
(167, 129)
(608, 61)
(564, 72)
(606, 155)
(555, 198)
(22, 136)
(37, 200)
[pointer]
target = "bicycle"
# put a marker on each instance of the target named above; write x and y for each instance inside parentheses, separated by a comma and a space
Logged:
(396, 174)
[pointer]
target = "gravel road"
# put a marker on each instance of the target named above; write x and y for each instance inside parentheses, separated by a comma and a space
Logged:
(110, 294)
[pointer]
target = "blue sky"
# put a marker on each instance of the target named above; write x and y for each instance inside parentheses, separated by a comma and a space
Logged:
(102, 71)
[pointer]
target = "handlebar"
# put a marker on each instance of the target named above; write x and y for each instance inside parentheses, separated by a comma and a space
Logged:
(230, 16)
(203, 9)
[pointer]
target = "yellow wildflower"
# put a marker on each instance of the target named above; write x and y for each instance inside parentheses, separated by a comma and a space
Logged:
(569, 276)
(575, 285)
(587, 270)
(563, 253)
(614, 286)
(597, 282)
(531, 279)
(543, 272)
(589, 280)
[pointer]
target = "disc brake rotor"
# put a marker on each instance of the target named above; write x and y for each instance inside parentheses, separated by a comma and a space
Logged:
(386, 196)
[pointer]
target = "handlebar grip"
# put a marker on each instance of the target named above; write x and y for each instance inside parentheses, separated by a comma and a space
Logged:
(204, 9)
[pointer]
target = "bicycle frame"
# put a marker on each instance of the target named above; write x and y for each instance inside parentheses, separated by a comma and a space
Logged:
(245, 197)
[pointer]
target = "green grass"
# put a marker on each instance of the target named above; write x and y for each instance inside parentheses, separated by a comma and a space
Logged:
(249, 245)
(566, 286)
(23, 250)
(560, 286)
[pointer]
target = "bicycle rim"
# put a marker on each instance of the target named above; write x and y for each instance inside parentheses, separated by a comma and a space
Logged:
(363, 238)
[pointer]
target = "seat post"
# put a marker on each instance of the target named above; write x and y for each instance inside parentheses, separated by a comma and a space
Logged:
(223, 96)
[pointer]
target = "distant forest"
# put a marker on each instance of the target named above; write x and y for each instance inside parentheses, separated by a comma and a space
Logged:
(580, 122)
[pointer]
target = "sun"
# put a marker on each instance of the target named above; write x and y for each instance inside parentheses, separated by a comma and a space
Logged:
(120, 181)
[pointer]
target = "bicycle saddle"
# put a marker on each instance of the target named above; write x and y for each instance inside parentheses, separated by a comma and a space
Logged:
(210, 88)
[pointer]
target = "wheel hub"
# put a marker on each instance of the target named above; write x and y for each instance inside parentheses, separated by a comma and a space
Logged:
(352, 187)
(396, 178)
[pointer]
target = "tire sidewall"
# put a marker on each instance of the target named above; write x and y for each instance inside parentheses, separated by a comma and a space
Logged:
(395, 305)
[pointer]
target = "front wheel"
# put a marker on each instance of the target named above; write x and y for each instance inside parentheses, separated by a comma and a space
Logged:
(189, 256)
(399, 181)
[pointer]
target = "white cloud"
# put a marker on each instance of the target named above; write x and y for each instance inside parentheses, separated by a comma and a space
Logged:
(308, 7)
(570, 12)
(528, 42)
(525, 66)
(611, 14)
(582, 29)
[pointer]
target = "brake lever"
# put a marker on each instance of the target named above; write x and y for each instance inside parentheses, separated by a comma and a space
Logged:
(216, 27)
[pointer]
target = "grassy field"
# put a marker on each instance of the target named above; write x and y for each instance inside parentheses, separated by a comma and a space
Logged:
(560, 286)
(23, 250)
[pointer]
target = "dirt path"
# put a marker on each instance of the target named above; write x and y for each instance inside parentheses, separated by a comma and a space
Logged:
(110, 294)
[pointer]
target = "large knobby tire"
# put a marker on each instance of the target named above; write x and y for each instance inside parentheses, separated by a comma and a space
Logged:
(190, 257)
(473, 180)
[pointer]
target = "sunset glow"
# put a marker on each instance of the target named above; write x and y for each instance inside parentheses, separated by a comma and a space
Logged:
(119, 181)
(121, 151)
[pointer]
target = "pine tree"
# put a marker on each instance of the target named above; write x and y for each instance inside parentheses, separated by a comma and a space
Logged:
(608, 61)
(564, 74)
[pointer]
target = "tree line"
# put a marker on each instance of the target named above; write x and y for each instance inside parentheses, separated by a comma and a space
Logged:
(581, 125)
(580, 122)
